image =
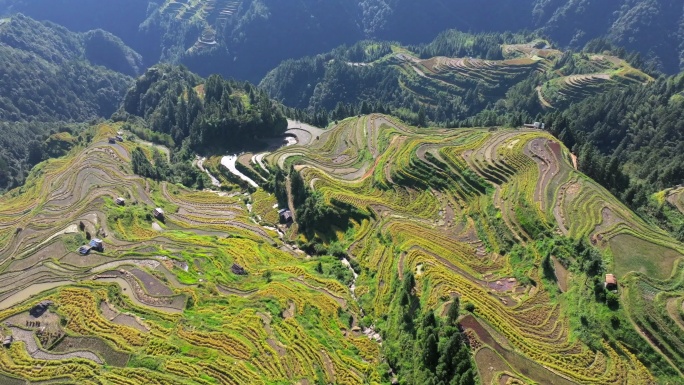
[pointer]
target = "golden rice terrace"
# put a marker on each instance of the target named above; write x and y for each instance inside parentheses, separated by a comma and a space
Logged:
(205, 287)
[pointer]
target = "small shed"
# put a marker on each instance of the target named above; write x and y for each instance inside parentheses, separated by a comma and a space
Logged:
(237, 269)
(97, 244)
(611, 282)
(158, 213)
(84, 250)
(120, 201)
(119, 138)
(40, 309)
(7, 342)
(285, 216)
(112, 140)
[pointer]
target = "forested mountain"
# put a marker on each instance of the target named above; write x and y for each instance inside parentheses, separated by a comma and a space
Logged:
(212, 114)
(49, 77)
(451, 79)
(219, 36)
(632, 142)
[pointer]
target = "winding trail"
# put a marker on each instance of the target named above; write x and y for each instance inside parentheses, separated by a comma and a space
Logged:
(28, 338)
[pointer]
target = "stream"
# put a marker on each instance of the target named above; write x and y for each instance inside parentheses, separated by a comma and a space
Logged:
(200, 164)
(370, 331)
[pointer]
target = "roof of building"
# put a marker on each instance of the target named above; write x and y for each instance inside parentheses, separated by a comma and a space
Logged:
(159, 210)
(610, 279)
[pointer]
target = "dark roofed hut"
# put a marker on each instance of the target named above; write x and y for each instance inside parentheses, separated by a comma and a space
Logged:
(112, 140)
(120, 201)
(40, 309)
(97, 244)
(8, 341)
(286, 216)
(237, 269)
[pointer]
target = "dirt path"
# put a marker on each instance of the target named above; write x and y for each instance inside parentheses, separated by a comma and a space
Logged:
(290, 199)
(159, 147)
(34, 351)
(574, 161)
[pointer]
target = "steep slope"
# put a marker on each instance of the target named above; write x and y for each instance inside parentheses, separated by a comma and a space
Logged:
(50, 74)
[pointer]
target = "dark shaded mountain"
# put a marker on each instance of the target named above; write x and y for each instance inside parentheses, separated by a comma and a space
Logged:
(245, 39)
(51, 74)
(653, 27)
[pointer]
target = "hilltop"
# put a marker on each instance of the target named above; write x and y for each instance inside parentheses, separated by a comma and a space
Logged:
(490, 228)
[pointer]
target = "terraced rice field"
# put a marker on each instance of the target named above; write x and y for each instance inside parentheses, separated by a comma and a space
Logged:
(164, 306)
(213, 15)
(592, 74)
(376, 163)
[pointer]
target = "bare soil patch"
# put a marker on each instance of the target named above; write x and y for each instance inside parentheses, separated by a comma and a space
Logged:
(489, 363)
(290, 311)
(562, 274)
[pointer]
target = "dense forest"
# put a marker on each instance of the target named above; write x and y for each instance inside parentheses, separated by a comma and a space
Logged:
(50, 78)
(293, 29)
(203, 115)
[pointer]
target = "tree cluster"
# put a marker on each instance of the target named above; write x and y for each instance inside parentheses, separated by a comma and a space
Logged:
(210, 115)
(422, 348)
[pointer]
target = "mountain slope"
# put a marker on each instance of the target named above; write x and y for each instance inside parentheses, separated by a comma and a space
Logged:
(489, 229)
(217, 36)
(451, 79)
(212, 114)
(49, 75)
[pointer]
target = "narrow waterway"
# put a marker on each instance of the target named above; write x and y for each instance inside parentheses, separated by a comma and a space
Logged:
(367, 331)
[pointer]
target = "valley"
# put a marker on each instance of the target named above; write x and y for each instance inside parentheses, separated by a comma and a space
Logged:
(396, 202)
